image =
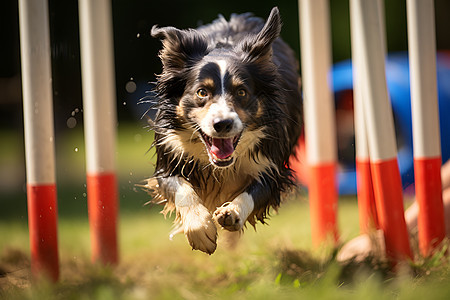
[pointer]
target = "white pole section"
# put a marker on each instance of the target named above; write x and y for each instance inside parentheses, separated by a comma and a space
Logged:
(39, 136)
(425, 121)
(99, 103)
(422, 60)
(379, 117)
(319, 114)
(37, 91)
(319, 110)
(361, 143)
(99, 91)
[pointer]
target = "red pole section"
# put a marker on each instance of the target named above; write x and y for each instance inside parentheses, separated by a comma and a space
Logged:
(425, 117)
(99, 106)
(39, 137)
(368, 217)
(380, 127)
(319, 115)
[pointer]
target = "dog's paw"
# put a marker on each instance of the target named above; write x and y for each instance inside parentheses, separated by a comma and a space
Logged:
(202, 237)
(228, 217)
(200, 231)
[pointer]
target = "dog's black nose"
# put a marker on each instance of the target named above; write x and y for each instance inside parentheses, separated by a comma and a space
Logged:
(222, 126)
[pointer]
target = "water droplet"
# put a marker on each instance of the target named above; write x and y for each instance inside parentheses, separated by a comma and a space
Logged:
(75, 111)
(71, 122)
(130, 87)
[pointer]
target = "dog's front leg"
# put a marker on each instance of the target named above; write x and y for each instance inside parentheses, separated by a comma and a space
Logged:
(256, 199)
(196, 220)
(232, 215)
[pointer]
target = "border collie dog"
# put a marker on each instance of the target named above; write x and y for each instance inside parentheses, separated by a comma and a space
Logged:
(228, 118)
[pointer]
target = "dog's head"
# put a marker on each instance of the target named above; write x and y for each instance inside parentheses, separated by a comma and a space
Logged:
(216, 92)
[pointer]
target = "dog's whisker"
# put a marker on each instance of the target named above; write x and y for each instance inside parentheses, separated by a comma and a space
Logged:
(192, 169)
(196, 129)
(206, 166)
(178, 163)
(186, 162)
(214, 175)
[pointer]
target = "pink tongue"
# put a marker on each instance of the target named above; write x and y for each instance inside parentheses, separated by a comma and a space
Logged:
(222, 148)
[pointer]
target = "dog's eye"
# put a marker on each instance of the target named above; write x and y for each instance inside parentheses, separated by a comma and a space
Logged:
(202, 93)
(242, 93)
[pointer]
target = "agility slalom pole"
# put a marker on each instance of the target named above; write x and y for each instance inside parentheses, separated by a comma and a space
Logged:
(319, 116)
(380, 128)
(368, 219)
(425, 118)
(99, 103)
(39, 137)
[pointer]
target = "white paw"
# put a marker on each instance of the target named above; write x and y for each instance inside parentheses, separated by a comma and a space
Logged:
(199, 229)
(228, 217)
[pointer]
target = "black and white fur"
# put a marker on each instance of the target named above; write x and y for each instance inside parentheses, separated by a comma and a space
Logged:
(228, 118)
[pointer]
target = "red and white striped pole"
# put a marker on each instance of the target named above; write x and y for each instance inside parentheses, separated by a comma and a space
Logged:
(39, 137)
(380, 128)
(425, 117)
(99, 106)
(368, 219)
(319, 114)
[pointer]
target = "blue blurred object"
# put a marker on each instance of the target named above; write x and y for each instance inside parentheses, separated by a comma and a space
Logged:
(397, 75)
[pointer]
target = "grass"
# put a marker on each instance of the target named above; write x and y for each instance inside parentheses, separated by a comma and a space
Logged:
(276, 261)
(264, 262)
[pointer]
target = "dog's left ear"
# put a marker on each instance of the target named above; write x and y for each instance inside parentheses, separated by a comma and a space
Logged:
(259, 47)
(180, 47)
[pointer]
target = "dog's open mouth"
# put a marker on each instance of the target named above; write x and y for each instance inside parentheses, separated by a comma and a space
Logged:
(220, 150)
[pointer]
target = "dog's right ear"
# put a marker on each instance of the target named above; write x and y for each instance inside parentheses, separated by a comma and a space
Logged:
(180, 47)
